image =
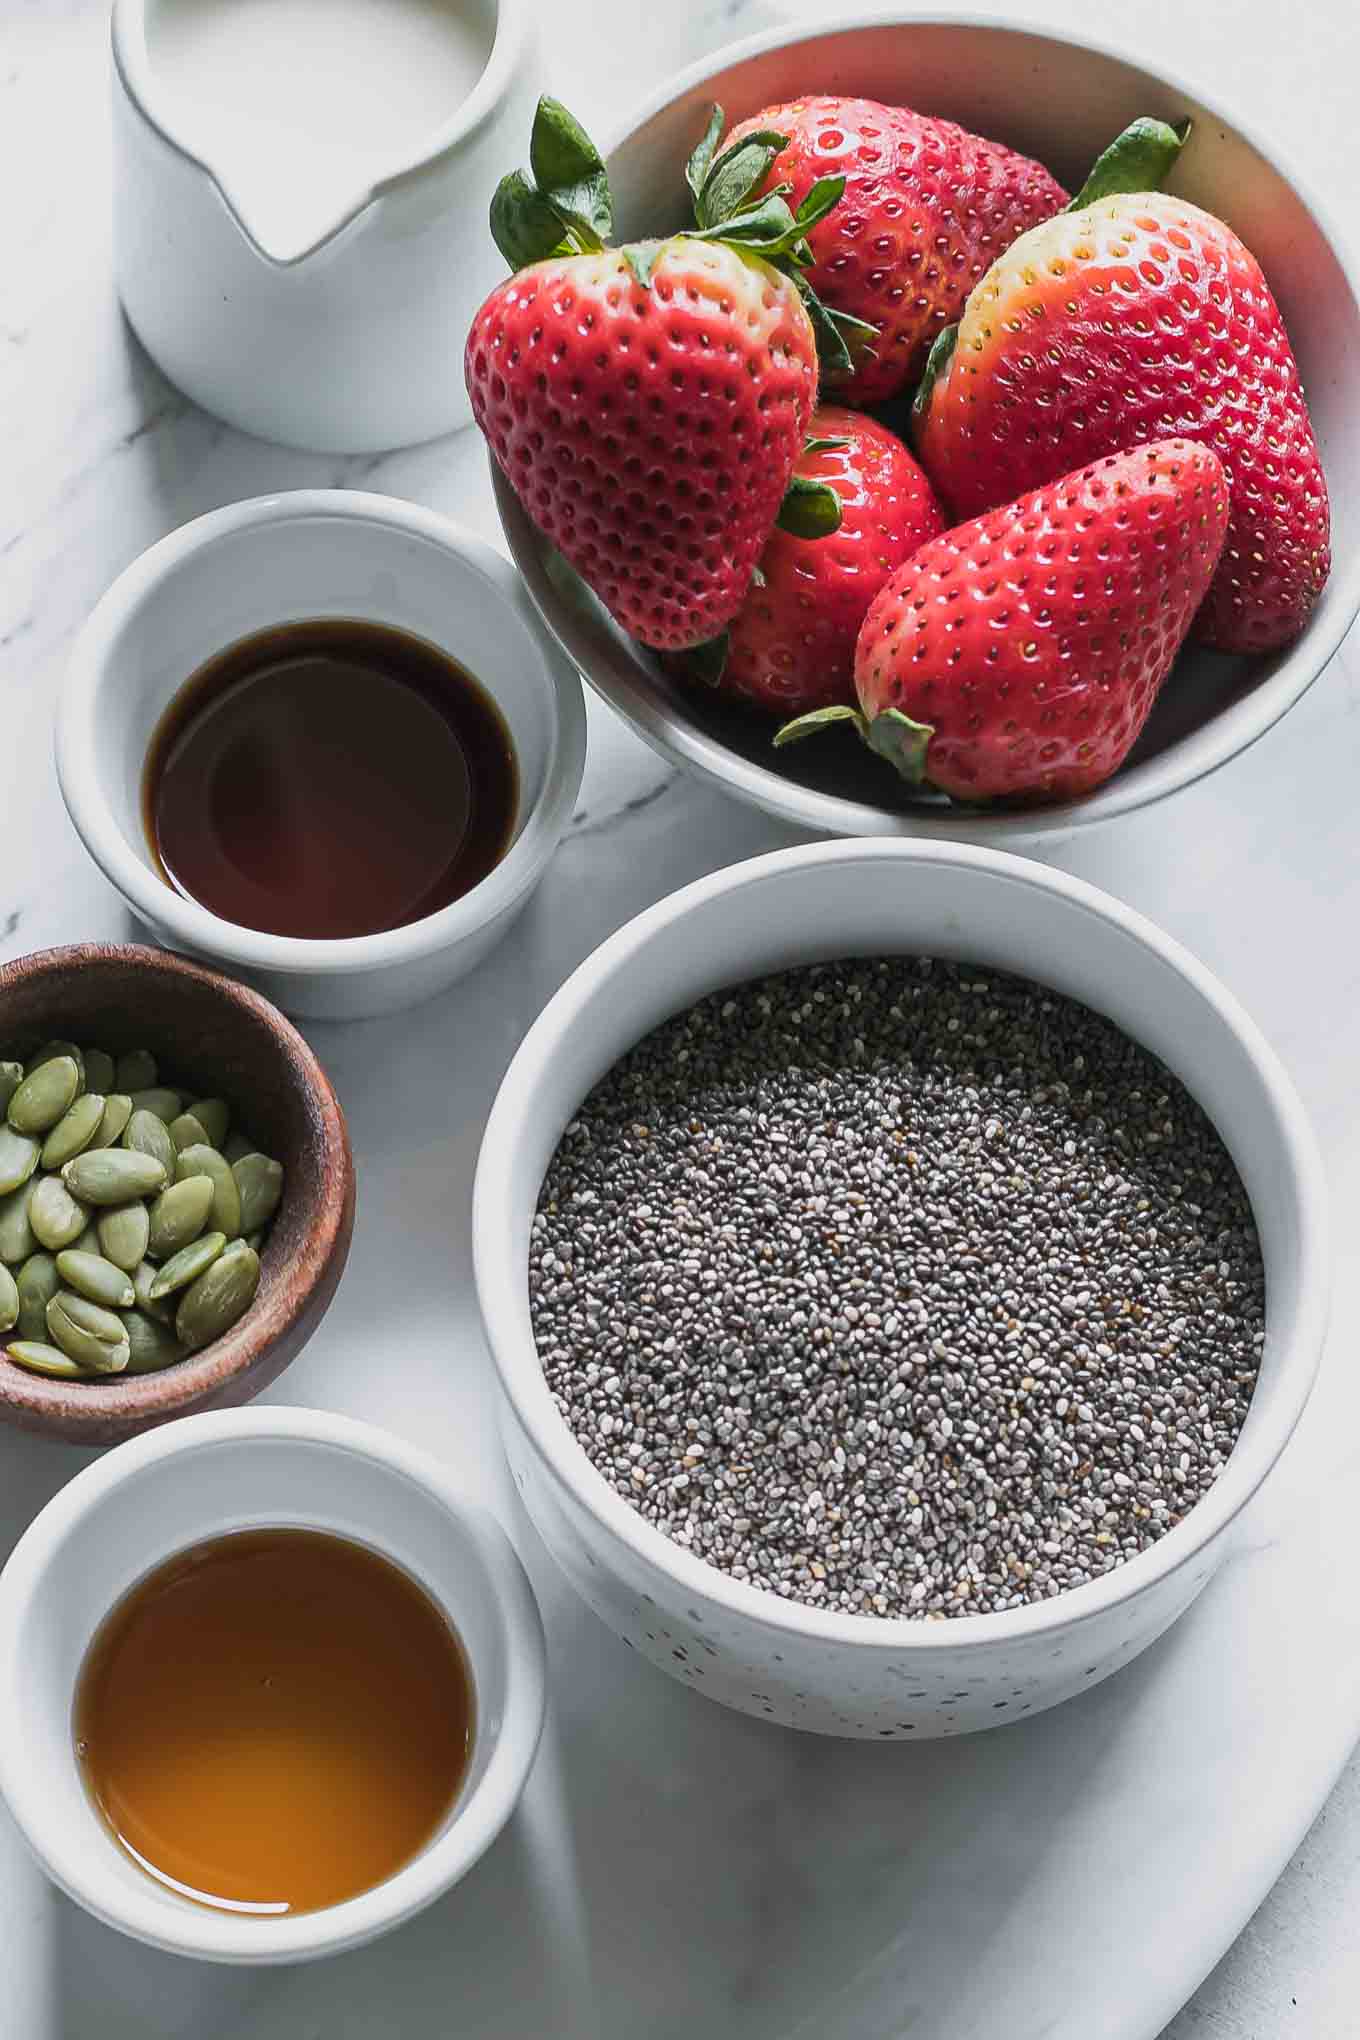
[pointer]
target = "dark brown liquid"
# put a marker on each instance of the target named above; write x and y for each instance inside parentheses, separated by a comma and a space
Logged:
(274, 1721)
(331, 778)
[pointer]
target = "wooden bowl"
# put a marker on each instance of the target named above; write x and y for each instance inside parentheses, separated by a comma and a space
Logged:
(215, 1039)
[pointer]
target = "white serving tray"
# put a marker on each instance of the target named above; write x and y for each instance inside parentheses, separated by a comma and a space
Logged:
(676, 1869)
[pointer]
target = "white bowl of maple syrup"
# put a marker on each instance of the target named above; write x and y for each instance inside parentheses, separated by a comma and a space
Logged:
(332, 827)
(252, 1838)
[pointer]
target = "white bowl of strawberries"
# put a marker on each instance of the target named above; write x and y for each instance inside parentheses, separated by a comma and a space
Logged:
(1039, 497)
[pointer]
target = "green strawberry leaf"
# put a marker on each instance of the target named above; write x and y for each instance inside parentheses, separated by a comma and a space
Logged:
(816, 719)
(738, 172)
(832, 353)
(707, 662)
(700, 163)
(768, 228)
(762, 228)
(809, 509)
(523, 225)
(821, 198)
(891, 735)
(823, 445)
(1139, 159)
(569, 170)
(851, 328)
(937, 361)
(901, 741)
(642, 258)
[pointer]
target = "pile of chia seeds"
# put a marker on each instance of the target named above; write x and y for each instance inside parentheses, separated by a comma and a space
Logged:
(899, 1288)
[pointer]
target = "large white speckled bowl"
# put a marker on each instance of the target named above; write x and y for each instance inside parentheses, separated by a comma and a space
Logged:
(854, 1675)
(1062, 100)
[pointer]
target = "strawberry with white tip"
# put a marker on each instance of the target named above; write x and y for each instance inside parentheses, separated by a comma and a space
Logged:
(1133, 316)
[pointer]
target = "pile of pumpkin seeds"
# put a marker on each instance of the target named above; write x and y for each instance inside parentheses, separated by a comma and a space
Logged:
(131, 1216)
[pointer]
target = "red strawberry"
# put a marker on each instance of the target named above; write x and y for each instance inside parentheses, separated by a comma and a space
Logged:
(1134, 318)
(647, 404)
(792, 647)
(1018, 656)
(650, 434)
(927, 207)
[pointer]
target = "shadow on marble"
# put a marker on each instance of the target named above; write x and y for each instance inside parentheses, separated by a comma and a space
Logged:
(433, 1969)
(788, 1877)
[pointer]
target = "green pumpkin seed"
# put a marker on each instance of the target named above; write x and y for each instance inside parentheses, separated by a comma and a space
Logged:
(9, 1300)
(187, 1265)
(40, 1358)
(98, 1072)
(214, 1303)
(135, 1071)
(88, 1241)
(149, 1305)
(73, 1132)
(151, 1345)
(225, 1216)
(214, 1116)
(260, 1182)
(235, 1146)
(56, 1218)
(37, 1283)
(11, 1076)
(18, 1159)
(91, 1276)
(166, 1105)
(147, 1135)
(124, 1230)
(84, 1332)
(255, 1240)
(179, 1215)
(49, 1053)
(16, 1234)
(188, 1131)
(113, 1176)
(45, 1096)
(113, 1125)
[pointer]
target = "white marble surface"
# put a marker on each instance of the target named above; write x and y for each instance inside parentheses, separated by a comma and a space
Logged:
(675, 1869)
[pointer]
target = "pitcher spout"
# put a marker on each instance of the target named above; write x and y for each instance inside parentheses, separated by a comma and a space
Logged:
(287, 229)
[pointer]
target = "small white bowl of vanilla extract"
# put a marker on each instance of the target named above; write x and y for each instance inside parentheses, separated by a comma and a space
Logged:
(322, 738)
(271, 1685)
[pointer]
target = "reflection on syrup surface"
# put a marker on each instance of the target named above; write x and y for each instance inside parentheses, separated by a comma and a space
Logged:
(328, 779)
(274, 1721)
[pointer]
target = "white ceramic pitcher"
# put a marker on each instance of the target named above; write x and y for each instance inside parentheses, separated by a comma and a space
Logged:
(325, 312)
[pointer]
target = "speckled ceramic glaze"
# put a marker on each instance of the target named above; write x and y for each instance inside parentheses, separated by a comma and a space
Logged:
(845, 1674)
(221, 1040)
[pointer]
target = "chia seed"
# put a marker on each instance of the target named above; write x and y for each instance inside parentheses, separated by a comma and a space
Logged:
(899, 1287)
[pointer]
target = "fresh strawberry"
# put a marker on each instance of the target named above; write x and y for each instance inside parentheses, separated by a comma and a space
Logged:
(792, 647)
(647, 404)
(1131, 319)
(927, 207)
(1017, 657)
